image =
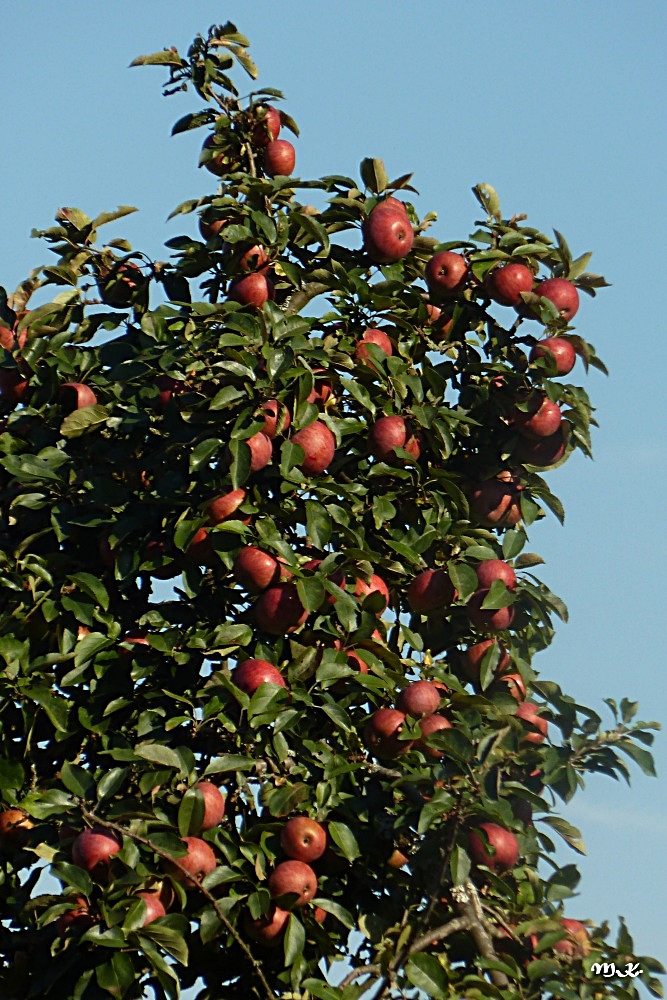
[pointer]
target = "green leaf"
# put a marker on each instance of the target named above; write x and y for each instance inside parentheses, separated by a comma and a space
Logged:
(295, 939)
(90, 585)
(77, 780)
(203, 452)
(374, 175)
(168, 57)
(570, 834)
(230, 762)
(87, 648)
(12, 774)
(319, 524)
(426, 973)
(111, 783)
(157, 753)
(170, 933)
(459, 865)
(337, 911)
(641, 757)
(89, 418)
(117, 975)
(191, 813)
(311, 593)
(344, 839)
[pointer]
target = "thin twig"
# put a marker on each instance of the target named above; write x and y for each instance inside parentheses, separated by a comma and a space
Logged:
(363, 970)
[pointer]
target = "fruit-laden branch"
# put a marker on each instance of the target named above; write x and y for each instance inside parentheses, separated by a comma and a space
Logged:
(196, 881)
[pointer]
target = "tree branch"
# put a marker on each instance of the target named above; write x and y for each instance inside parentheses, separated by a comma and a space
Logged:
(467, 903)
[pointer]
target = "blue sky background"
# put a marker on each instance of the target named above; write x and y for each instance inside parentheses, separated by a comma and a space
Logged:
(562, 108)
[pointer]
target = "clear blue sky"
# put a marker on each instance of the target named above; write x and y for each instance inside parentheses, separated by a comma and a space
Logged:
(562, 107)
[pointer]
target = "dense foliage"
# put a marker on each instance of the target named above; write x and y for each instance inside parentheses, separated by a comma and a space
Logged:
(152, 435)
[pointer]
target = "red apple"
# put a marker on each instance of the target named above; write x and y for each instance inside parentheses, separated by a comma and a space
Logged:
(502, 852)
(254, 289)
(255, 569)
(223, 162)
(77, 920)
(319, 445)
(293, 878)
(11, 340)
(251, 673)
(355, 662)
(558, 348)
(268, 125)
(506, 283)
(541, 419)
(536, 724)
(431, 724)
(199, 861)
(430, 590)
(93, 849)
(577, 944)
(14, 388)
(376, 585)
(118, 287)
(213, 228)
(279, 609)
(15, 827)
(279, 158)
(372, 336)
(200, 550)
(562, 294)
(168, 387)
(387, 233)
(496, 503)
(419, 699)
(471, 659)
(268, 930)
(76, 396)
(446, 274)
(488, 619)
(154, 907)
(275, 421)
(516, 686)
(489, 570)
(543, 451)
(322, 388)
(303, 839)
(214, 804)
(261, 451)
(388, 433)
(225, 506)
(381, 733)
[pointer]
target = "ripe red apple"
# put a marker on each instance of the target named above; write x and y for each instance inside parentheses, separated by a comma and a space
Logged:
(254, 289)
(268, 930)
(225, 506)
(168, 388)
(261, 451)
(536, 724)
(11, 340)
(15, 827)
(543, 451)
(471, 659)
(381, 733)
(224, 162)
(430, 590)
(387, 233)
(200, 550)
(118, 287)
(319, 445)
(418, 699)
(14, 388)
(446, 274)
(488, 619)
(93, 849)
(356, 662)
(213, 228)
(322, 388)
(303, 839)
(214, 804)
(268, 125)
(77, 920)
(372, 336)
(199, 861)
(76, 396)
(515, 684)
(577, 944)
(502, 852)
(388, 433)
(293, 878)
(541, 419)
(279, 609)
(279, 158)
(562, 294)
(560, 349)
(251, 673)
(274, 421)
(496, 503)
(506, 283)
(255, 569)
(489, 570)
(376, 585)
(431, 724)
(154, 907)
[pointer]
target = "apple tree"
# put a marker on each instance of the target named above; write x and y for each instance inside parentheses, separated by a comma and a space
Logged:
(270, 710)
